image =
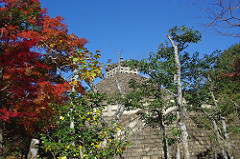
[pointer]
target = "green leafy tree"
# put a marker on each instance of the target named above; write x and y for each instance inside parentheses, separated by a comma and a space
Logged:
(216, 95)
(164, 84)
(91, 136)
(229, 60)
(224, 96)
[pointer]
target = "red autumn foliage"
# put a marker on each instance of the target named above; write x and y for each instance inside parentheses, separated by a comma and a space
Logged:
(234, 75)
(6, 115)
(27, 75)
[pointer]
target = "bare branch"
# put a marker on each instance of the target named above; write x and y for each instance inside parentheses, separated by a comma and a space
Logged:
(4, 88)
(223, 16)
(1, 73)
(121, 107)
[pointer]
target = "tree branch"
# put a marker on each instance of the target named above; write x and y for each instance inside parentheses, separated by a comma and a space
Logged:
(121, 107)
(4, 88)
(224, 14)
(181, 108)
(92, 86)
(1, 33)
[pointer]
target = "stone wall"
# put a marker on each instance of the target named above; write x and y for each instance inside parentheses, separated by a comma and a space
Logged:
(146, 142)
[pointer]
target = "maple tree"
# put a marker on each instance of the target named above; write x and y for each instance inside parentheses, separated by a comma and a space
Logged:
(35, 49)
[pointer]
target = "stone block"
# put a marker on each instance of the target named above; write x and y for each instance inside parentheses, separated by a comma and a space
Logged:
(152, 141)
(146, 157)
(151, 145)
(146, 149)
(140, 137)
(156, 157)
(151, 153)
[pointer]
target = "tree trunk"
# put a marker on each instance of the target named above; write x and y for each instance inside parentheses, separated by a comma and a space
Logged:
(164, 135)
(218, 139)
(1, 137)
(178, 153)
(182, 110)
(198, 82)
(92, 86)
(227, 142)
(214, 122)
(33, 149)
(1, 106)
(121, 107)
(75, 79)
(165, 142)
(216, 130)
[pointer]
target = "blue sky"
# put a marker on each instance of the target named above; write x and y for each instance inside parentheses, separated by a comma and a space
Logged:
(134, 27)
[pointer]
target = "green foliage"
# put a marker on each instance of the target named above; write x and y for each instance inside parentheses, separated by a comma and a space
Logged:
(91, 136)
(173, 136)
(227, 58)
(158, 92)
(184, 36)
(212, 84)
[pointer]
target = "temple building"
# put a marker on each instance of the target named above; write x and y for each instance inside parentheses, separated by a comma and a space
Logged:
(112, 70)
(146, 141)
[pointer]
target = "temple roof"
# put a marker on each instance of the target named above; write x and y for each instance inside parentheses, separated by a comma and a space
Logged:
(108, 85)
